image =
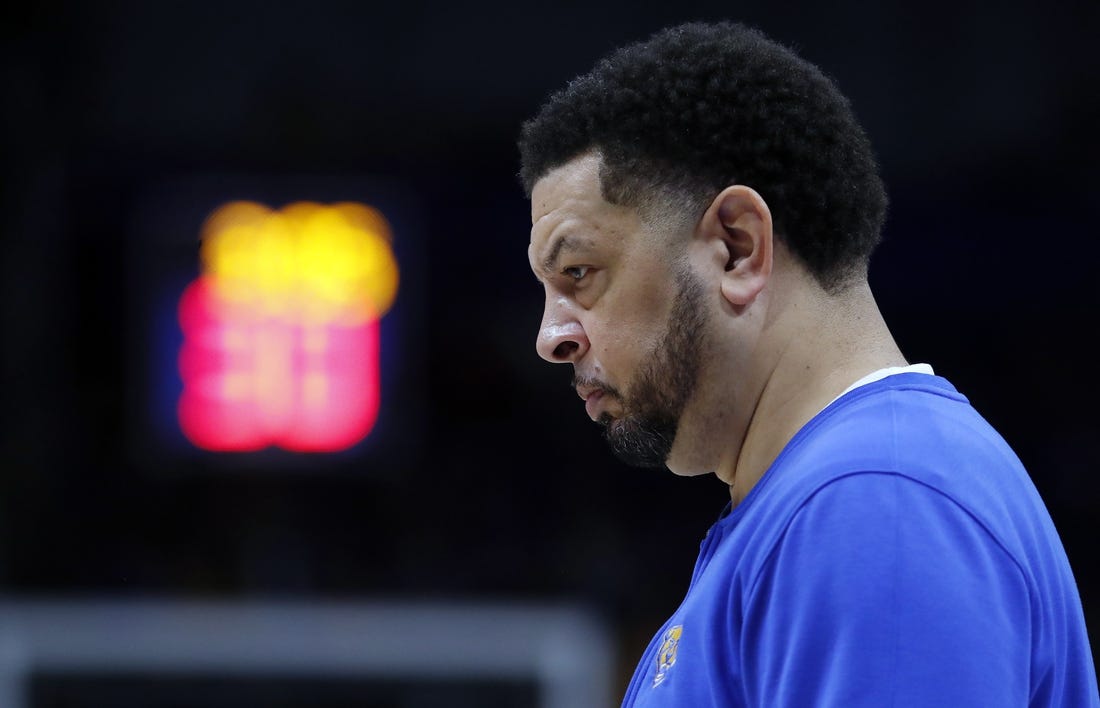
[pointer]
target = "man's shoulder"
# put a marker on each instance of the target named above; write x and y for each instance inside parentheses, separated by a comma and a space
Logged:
(915, 440)
(916, 426)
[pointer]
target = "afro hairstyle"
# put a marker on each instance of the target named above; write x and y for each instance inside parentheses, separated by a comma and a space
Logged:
(699, 106)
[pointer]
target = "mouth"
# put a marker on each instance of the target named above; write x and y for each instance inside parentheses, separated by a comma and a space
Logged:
(591, 396)
(596, 396)
(592, 403)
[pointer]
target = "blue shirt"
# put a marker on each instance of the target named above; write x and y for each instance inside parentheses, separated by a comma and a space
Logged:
(896, 553)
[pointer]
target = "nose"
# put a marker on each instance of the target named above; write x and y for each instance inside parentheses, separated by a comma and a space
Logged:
(561, 338)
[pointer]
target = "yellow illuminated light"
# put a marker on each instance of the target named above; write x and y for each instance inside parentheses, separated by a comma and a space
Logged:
(313, 263)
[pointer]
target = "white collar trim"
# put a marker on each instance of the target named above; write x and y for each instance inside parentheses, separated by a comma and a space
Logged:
(888, 371)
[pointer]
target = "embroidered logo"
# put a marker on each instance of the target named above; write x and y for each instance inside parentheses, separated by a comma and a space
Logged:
(666, 656)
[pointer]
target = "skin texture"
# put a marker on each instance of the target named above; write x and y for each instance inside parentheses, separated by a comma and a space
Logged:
(770, 348)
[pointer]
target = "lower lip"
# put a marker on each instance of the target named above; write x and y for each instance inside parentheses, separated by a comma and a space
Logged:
(592, 403)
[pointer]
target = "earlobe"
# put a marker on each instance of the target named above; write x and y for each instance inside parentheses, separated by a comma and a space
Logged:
(742, 220)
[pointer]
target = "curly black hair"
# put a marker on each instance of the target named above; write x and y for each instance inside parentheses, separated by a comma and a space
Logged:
(699, 106)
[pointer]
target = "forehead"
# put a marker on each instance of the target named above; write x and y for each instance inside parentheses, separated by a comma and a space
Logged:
(567, 204)
(574, 185)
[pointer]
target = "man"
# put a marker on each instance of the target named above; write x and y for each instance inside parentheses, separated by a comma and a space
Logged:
(704, 207)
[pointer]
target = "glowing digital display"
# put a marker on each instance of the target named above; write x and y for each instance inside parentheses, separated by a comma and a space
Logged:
(281, 336)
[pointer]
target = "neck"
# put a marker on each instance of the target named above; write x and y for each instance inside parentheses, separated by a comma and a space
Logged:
(824, 345)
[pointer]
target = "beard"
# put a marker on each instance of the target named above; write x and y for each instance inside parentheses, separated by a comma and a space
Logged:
(644, 434)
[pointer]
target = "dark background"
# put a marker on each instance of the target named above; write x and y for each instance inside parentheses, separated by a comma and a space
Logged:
(984, 119)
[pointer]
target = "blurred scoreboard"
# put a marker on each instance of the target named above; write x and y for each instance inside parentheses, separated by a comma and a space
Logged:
(275, 323)
(280, 329)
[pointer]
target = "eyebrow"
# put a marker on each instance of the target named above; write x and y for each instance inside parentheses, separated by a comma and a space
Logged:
(565, 244)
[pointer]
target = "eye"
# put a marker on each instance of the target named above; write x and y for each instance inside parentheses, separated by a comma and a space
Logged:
(576, 272)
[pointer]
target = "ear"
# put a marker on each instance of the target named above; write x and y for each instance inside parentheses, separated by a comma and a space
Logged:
(739, 226)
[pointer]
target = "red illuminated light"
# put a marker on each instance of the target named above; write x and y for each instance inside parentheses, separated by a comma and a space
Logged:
(256, 376)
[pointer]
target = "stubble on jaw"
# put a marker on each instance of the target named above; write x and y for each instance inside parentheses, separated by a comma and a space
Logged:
(643, 436)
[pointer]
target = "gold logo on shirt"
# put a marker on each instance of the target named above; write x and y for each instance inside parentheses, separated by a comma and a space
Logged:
(666, 657)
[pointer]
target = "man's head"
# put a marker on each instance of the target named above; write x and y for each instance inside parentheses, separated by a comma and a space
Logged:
(656, 182)
(698, 107)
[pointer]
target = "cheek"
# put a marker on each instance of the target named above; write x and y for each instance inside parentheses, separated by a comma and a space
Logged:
(622, 344)
(627, 324)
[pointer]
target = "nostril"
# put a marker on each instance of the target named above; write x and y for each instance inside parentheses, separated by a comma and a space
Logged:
(561, 340)
(565, 349)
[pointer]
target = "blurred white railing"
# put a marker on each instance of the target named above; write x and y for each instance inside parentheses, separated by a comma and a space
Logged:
(564, 651)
